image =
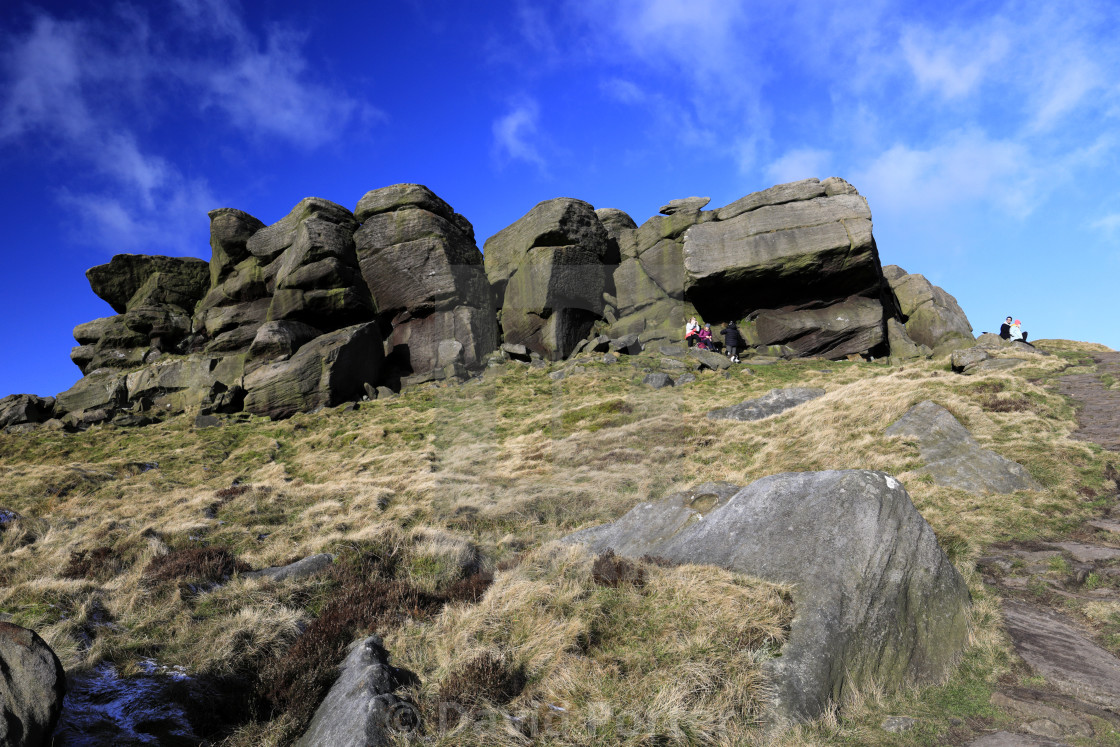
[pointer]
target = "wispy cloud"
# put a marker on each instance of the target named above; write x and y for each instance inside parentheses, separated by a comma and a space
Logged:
(516, 134)
(91, 91)
(966, 166)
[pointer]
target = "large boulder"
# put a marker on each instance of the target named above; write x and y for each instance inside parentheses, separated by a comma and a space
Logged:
(803, 253)
(878, 602)
(952, 456)
(852, 326)
(553, 223)
(331, 369)
(420, 261)
(550, 270)
(933, 317)
(360, 708)
(32, 686)
(155, 297)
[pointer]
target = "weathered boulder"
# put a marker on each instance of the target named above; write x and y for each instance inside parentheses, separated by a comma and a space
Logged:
(877, 600)
(773, 402)
(303, 268)
(155, 295)
(398, 196)
(97, 390)
(709, 359)
(902, 347)
(230, 231)
(17, 409)
(854, 325)
(308, 566)
(933, 318)
(183, 280)
(806, 189)
(658, 380)
(804, 253)
(280, 339)
(953, 457)
(420, 261)
(360, 708)
(327, 371)
(32, 686)
(550, 270)
(966, 360)
(615, 221)
(560, 222)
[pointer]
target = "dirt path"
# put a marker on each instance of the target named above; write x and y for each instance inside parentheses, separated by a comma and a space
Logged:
(1080, 697)
(1099, 415)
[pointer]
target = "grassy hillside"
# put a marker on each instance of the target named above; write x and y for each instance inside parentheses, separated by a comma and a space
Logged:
(427, 497)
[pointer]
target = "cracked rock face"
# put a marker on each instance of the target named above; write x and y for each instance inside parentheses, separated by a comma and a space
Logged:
(877, 599)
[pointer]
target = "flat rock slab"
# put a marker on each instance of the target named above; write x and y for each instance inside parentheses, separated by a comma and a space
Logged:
(1084, 553)
(309, 566)
(1009, 739)
(1063, 654)
(773, 402)
(1106, 525)
(954, 458)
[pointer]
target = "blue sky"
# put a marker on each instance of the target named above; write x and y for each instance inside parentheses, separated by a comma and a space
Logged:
(983, 134)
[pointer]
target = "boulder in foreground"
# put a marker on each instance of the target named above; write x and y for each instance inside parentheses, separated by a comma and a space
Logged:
(878, 601)
(32, 685)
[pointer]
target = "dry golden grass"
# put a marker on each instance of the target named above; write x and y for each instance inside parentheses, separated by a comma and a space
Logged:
(678, 657)
(474, 475)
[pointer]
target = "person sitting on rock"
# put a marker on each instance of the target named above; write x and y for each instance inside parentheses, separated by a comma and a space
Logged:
(1017, 333)
(691, 330)
(732, 340)
(705, 338)
(1005, 329)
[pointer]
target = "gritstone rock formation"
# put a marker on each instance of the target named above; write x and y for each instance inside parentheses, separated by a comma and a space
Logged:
(326, 305)
(877, 599)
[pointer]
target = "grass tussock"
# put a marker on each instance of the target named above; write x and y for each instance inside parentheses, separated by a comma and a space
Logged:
(197, 564)
(678, 658)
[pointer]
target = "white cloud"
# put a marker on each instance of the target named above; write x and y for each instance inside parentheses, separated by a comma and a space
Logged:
(266, 92)
(953, 62)
(798, 164)
(42, 82)
(89, 88)
(516, 133)
(1108, 224)
(967, 166)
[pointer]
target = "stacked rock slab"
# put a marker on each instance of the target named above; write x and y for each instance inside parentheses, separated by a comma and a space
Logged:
(550, 269)
(932, 317)
(420, 261)
(649, 280)
(153, 298)
(799, 262)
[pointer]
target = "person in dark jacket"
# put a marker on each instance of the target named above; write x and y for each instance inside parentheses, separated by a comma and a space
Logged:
(1005, 329)
(732, 340)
